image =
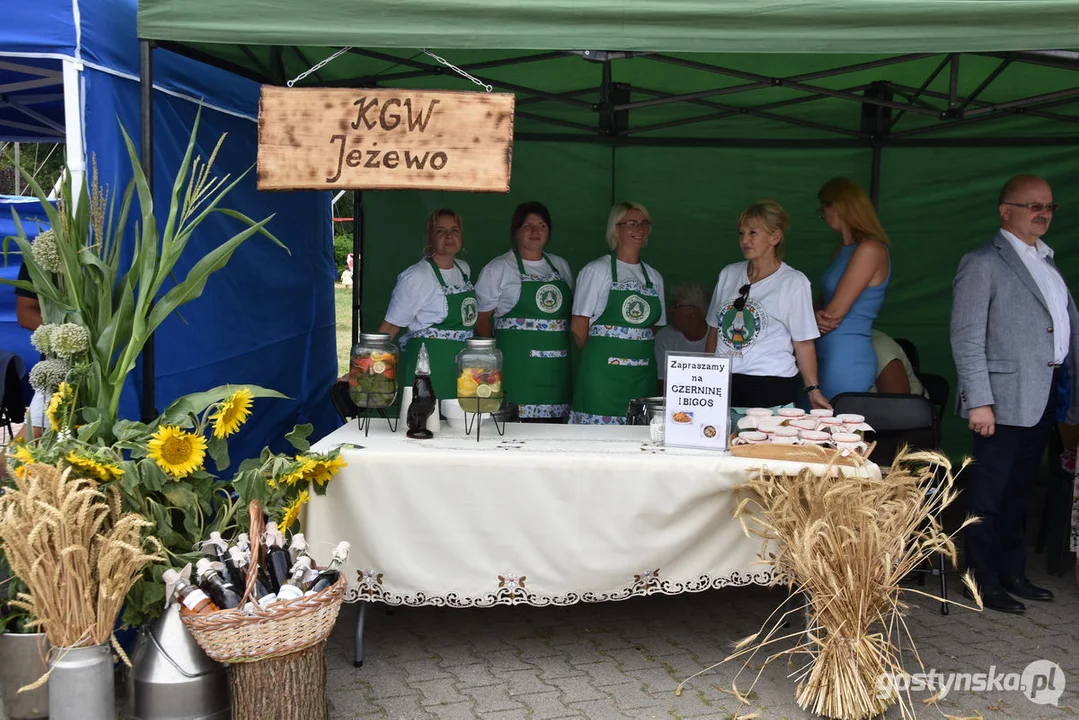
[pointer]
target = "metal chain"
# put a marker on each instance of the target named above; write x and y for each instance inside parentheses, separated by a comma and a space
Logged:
(317, 67)
(458, 70)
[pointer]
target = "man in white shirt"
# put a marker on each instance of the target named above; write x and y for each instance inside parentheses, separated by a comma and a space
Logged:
(687, 330)
(1014, 324)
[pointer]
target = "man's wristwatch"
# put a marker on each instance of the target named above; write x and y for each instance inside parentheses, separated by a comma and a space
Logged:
(810, 388)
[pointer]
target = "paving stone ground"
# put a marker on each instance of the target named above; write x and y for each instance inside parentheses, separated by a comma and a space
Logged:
(625, 659)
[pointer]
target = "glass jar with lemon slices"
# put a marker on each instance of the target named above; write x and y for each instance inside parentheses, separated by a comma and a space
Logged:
(479, 376)
(372, 375)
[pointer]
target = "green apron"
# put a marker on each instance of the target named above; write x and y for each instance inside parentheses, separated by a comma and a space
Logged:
(618, 361)
(534, 339)
(445, 339)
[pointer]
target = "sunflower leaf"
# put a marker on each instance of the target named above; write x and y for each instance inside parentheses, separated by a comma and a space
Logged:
(298, 437)
(153, 477)
(195, 404)
(219, 451)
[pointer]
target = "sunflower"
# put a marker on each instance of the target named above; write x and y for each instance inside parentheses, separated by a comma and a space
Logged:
(231, 413)
(301, 471)
(94, 468)
(323, 468)
(176, 452)
(292, 512)
(20, 453)
(62, 397)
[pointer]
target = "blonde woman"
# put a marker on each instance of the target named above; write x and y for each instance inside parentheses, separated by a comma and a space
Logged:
(618, 302)
(852, 289)
(761, 317)
(435, 302)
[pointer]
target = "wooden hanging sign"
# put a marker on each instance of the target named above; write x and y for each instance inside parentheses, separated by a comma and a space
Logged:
(384, 138)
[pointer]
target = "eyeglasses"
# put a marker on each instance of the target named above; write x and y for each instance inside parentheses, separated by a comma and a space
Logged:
(1036, 207)
(743, 296)
(634, 224)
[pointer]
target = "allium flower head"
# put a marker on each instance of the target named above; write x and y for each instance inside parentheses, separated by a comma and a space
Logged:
(69, 339)
(42, 339)
(46, 254)
(48, 374)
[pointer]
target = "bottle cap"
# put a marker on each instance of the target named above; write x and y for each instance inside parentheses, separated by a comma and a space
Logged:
(340, 553)
(273, 535)
(237, 556)
(302, 563)
(170, 577)
(299, 543)
(202, 567)
(423, 361)
(243, 542)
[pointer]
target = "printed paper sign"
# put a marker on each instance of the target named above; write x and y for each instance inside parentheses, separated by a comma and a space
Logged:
(698, 401)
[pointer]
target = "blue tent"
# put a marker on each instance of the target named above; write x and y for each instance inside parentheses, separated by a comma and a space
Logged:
(69, 72)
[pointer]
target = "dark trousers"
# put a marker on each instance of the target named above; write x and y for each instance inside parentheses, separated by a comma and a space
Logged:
(763, 390)
(1004, 471)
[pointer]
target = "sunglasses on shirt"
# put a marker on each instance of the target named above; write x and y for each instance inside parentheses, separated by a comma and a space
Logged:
(743, 296)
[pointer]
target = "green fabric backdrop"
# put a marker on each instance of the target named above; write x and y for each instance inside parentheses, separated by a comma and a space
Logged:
(935, 204)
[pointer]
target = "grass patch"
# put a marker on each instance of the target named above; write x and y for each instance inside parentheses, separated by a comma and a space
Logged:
(343, 309)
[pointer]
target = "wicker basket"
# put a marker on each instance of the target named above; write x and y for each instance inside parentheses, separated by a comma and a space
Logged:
(281, 628)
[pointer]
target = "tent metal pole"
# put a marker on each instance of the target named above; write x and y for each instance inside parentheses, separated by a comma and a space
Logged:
(791, 82)
(146, 132)
(1023, 102)
(1032, 112)
(730, 110)
(874, 177)
(918, 93)
(984, 84)
(953, 83)
(358, 263)
(436, 70)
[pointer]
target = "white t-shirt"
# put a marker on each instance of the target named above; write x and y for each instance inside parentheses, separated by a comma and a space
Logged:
(418, 302)
(668, 338)
(594, 283)
(760, 337)
(498, 287)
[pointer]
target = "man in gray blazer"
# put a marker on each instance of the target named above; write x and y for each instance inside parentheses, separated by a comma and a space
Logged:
(1014, 324)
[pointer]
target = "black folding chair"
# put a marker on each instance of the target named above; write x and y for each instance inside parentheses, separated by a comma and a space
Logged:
(901, 420)
(939, 390)
(342, 403)
(12, 403)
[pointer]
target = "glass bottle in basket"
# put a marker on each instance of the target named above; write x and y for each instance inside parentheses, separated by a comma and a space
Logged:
(479, 376)
(372, 374)
(329, 576)
(216, 585)
(178, 587)
(293, 587)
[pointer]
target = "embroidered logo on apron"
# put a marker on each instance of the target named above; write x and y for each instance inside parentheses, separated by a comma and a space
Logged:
(468, 311)
(549, 298)
(635, 310)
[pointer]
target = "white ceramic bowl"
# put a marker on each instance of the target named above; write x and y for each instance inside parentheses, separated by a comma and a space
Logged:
(455, 415)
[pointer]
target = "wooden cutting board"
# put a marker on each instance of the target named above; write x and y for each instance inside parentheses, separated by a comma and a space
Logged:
(795, 453)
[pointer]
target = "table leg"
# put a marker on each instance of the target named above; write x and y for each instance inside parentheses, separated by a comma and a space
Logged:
(361, 617)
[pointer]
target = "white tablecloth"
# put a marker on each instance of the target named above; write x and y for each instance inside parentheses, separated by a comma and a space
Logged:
(547, 515)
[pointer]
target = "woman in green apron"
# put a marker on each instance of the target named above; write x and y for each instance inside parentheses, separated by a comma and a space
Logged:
(530, 295)
(618, 301)
(435, 301)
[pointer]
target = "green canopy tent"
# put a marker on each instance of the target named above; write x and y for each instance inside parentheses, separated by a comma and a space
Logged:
(696, 108)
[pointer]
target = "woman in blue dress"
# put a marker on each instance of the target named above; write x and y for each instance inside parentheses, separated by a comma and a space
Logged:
(852, 289)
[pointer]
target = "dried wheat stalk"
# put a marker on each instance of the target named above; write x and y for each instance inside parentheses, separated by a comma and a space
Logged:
(846, 540)
(77, 557)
